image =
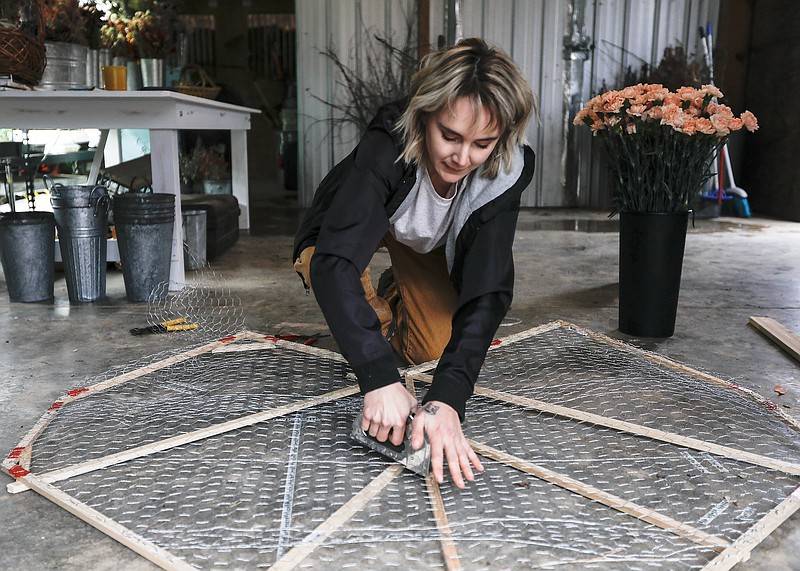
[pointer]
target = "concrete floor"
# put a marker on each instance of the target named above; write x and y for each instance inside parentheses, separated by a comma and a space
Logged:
(566, 269)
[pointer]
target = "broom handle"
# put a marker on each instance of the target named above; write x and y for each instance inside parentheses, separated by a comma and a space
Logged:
(721, 179)
(728, 167)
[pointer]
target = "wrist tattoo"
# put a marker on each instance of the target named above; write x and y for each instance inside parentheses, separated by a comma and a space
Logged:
(431, 408)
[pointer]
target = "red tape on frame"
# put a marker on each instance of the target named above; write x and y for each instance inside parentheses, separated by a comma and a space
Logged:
(18, 472)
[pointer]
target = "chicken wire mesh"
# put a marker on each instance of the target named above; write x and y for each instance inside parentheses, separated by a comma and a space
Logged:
(233, 454)
(207, 389)
(204, 300)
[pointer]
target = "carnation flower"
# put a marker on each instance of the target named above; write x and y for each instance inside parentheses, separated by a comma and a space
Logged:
(661, 143)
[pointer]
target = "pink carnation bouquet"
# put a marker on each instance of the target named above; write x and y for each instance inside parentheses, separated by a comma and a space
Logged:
(660, 143)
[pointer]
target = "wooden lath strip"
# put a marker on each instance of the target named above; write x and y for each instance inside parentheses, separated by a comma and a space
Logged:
(637, 429)
(740, 549)
(538, 330)
(610, 500)
(153, 367)
(452, 561)
(316, 538)
(311, 350)
(242, 348)
(647, 355)
(181, 439)
(120, 533)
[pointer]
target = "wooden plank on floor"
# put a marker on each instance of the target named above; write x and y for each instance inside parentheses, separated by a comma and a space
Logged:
(782, 336)
(182, 439)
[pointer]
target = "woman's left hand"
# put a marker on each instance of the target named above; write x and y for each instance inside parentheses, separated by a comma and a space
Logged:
(441, 424)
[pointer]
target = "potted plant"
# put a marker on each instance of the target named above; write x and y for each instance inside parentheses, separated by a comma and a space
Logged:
(65, 45)
(659, 145)
(677, 68)
(116, 35)
(93, 17)
(209, 166)
(152, 33)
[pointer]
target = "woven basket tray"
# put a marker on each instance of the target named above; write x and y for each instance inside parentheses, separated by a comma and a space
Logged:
(195, 81)
(23, 55)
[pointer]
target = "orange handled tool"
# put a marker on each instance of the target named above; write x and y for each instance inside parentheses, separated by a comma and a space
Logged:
(179, 324)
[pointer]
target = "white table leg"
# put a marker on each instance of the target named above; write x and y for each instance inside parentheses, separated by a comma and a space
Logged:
(112, 148)
(97, 161)
(239, 172)
(164, 156)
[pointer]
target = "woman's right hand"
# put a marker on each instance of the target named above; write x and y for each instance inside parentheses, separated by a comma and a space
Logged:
(302, 265)
(386, 412)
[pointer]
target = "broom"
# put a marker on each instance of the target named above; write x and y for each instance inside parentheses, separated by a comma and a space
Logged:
(741, 205)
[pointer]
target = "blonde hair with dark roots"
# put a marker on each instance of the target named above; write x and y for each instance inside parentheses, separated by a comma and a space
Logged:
(486, 76)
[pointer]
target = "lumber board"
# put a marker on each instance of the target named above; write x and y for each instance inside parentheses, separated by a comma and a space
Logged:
(647, 432)
(300, 347)
(607, 499)
(538, 330)
(227, 343)
(782, 336)
(740, 549)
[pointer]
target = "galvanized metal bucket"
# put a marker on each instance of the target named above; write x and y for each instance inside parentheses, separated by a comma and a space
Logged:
(195, 228)
(152, 72)
(81, 213)
(27, 252)
(66, 66)
(144, 223)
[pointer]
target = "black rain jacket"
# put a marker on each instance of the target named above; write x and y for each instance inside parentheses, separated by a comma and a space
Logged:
(348, 217)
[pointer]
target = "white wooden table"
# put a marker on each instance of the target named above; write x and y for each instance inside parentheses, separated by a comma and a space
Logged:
(163, 113)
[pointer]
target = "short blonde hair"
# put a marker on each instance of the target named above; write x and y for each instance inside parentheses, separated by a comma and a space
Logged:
(485, 75)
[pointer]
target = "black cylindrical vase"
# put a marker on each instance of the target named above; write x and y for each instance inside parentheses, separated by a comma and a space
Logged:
(651, 246)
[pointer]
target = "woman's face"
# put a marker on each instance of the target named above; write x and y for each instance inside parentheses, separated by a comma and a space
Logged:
(457, 141)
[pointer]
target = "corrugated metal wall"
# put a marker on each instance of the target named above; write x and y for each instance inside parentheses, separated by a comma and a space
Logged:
(627, 33)
(533, 32)
(339, 25)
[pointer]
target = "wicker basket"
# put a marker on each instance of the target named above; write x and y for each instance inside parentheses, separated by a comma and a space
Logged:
(22, 55)
(195, 81)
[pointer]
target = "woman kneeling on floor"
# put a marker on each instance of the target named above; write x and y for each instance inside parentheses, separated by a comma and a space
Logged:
(436, 179)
